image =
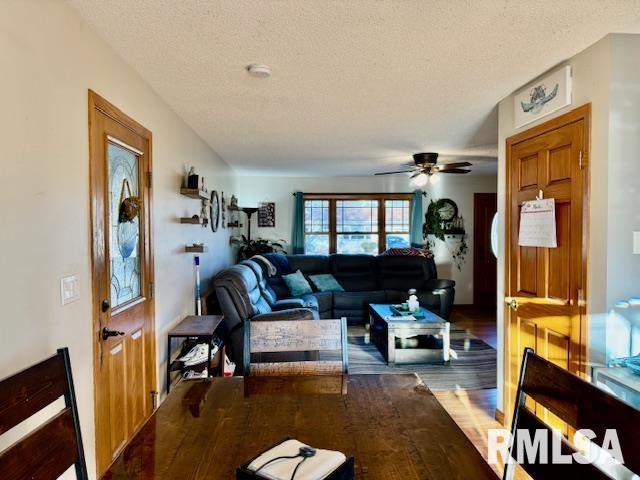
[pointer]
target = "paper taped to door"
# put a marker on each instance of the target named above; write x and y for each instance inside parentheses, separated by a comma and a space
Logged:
(538, 223)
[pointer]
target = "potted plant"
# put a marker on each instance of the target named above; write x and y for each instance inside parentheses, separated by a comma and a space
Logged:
(249, 248)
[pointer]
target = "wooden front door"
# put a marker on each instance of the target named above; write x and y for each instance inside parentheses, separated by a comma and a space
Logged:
(122, 269)
(485, 206)
(546, 287)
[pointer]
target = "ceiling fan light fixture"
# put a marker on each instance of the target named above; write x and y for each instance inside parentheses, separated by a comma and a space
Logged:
(434, 178)
(421, 179)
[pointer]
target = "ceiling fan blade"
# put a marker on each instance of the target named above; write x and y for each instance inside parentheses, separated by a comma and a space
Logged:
(393, 173)
(448, 166)
(455, 170)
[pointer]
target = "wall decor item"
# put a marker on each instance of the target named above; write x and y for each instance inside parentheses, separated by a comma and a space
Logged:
(543, 97)
(214, 211)
(204, 212)
(193, 180)
(223, 210)
(266, 214)
(233, 203)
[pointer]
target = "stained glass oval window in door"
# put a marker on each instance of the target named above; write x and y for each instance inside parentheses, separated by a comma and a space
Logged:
(124, 233)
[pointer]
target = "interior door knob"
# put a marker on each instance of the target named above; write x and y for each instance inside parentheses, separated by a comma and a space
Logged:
(106, 333)
(512, 302)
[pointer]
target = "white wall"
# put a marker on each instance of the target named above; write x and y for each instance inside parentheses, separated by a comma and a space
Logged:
(607, 76)
(49, 58)
(623, 206)
(252, 190)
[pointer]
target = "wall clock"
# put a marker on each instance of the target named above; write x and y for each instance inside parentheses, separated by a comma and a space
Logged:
(447, 209)
(214, 211)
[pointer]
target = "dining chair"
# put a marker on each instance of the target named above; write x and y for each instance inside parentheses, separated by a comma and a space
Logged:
(581, 405)
(49, 450)
(287, 336)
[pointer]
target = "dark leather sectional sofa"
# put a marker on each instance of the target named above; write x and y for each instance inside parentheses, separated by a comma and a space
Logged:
(368, 279)
(244, 291)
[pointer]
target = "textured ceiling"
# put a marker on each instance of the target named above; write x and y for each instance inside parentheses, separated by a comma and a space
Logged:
(357, 86)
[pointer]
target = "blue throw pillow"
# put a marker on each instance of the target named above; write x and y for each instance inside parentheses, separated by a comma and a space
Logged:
(297, 284)
(326, 283)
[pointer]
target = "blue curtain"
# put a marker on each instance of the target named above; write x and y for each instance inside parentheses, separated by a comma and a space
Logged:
(297, 235)
(415, 232)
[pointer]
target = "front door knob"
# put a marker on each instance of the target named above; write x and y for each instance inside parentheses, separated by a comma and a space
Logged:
(104, 306)
(106, 333)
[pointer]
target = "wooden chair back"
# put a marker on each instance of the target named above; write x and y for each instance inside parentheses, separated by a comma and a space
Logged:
(296, 336)
(581, 405)
(49, 450)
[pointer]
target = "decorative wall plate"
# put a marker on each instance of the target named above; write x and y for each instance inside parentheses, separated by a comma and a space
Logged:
(214, 211)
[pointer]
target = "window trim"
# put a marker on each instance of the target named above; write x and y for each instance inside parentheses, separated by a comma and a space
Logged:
(380, 197)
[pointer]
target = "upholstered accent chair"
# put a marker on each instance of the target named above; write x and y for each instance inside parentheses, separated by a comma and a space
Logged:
(241, 299)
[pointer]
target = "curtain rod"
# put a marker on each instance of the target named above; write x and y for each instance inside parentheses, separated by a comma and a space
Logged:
(424, 194)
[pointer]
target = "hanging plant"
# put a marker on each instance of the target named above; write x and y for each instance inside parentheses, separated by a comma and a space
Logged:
(459, 254)
(433, 222)
(433, 229)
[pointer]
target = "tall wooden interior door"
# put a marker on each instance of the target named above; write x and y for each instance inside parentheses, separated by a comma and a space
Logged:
(485, 279)
(546, 287)
(122, 269)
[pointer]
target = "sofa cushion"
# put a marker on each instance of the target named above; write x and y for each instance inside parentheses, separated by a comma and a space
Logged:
(356, 273)
(326, 283)
(357, 300)
(309, 264)
(403, 273)
(297, 283)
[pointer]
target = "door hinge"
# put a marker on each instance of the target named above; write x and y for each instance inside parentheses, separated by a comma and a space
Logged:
(582, 160)
(154, 399)
(149, 179)
(152, 289)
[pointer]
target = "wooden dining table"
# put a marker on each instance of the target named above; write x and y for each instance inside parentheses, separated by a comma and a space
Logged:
(392, 425)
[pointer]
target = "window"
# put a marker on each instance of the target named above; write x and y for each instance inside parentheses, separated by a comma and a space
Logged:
(397, 223)
(357, 226)
(356, 223)
(316, 227)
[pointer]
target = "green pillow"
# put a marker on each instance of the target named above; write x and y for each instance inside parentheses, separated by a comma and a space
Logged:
(326, 283)
(297, 284)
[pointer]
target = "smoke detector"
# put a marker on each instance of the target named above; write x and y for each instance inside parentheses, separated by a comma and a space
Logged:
(259, 70)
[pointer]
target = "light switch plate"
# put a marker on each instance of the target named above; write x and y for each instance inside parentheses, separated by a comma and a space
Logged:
(69, 290)
(636, 243)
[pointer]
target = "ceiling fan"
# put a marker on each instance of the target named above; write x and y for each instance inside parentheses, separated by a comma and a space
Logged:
(425, 165)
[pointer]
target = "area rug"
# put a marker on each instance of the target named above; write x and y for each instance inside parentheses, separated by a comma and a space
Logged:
(473, 369)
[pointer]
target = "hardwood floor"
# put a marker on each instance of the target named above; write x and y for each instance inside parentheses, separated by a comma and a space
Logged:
(481, 322)
(474, 410)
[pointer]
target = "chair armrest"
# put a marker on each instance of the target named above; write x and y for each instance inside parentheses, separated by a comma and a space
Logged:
(310, 301)
(290, 314)
(288, 303)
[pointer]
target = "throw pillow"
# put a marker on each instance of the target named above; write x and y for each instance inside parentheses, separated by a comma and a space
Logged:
(297, 284)
(326, 283)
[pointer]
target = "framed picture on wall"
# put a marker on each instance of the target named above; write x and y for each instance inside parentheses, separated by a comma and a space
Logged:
(543, 97)
(266, 214)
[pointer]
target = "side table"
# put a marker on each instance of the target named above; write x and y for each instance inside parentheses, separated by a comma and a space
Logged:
(201, 327)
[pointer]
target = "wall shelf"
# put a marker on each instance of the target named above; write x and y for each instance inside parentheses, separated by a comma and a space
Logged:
(194, 193)
(191, 220)
(196, 249)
